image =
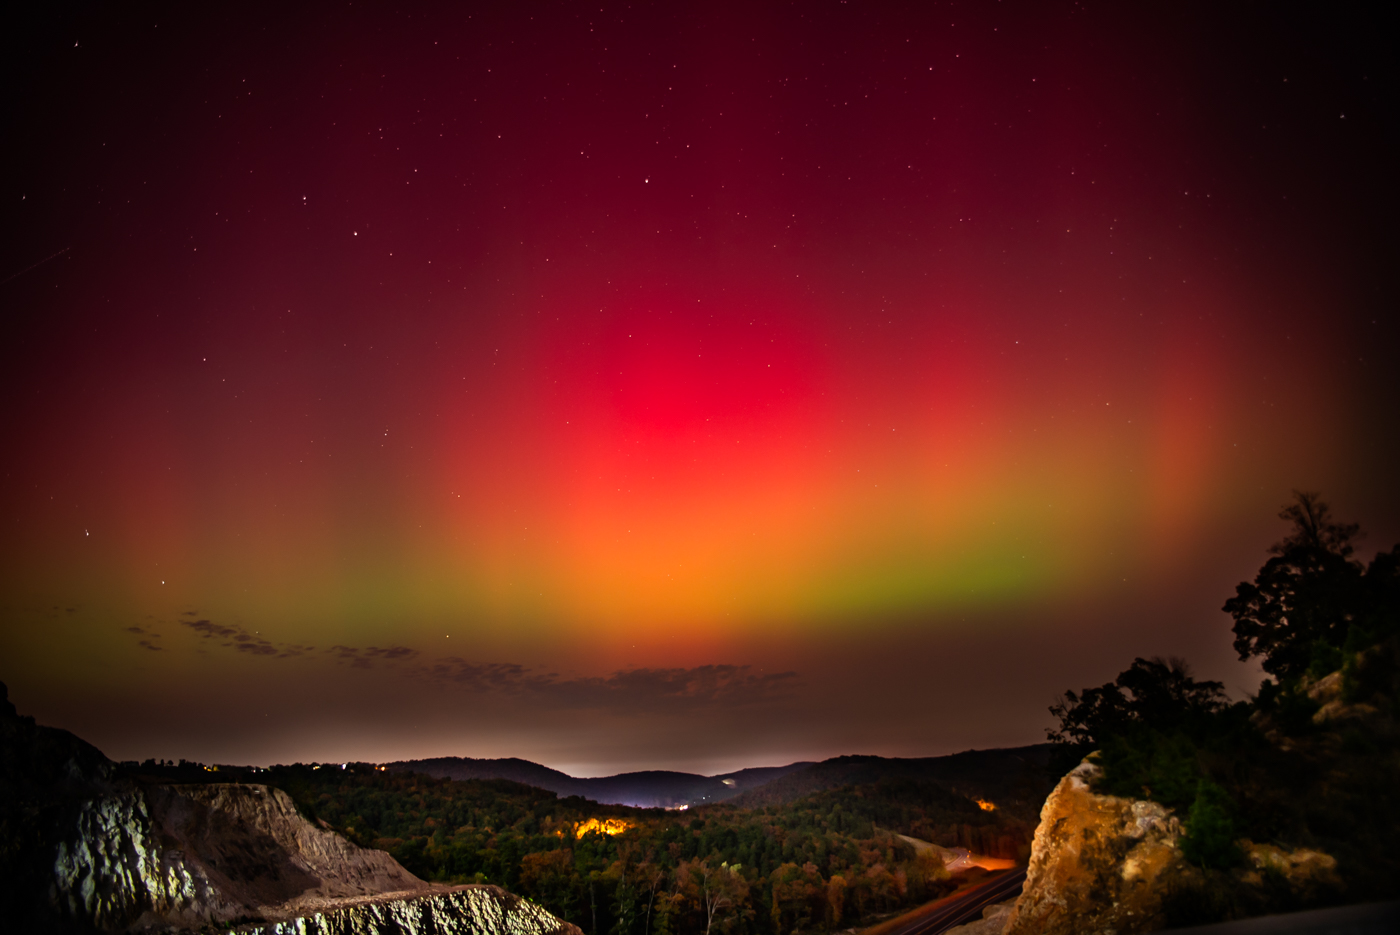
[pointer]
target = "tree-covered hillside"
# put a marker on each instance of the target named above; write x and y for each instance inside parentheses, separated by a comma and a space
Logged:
(824, 862)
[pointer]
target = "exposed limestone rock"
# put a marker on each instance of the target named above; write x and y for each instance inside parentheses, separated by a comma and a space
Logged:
(1326, 689)
(176, 858)
(1308, 872)
(84, 848)
(1099, 863)
(111, 869)
(1103, 865)
(468, 910)
(194, 855)
(1328, 692)
(255, 838)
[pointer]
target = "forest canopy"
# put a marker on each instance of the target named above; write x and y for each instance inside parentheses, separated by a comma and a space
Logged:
(827, 861)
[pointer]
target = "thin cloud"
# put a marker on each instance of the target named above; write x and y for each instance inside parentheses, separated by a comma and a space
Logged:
(206, 628)
(490, 676)
(626, 690)
(366, 657)
(146, 643)
(239, 639)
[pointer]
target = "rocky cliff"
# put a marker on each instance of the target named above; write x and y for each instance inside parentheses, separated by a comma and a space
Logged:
(1099, 863)
(199, 855)
(470, 910)
(84, 848)
(1104, 865)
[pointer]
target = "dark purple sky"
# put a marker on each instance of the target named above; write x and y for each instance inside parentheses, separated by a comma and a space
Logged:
(691, 386)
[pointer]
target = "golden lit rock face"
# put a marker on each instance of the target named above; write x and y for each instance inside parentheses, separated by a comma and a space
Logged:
(986, 806)
(1099, 863)
(608, 826)
(1327, 691)
(1306, 871)
(1103, 865)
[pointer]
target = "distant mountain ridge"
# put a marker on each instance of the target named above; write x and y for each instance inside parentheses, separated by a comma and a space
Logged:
(644, 789)
(1014, 778)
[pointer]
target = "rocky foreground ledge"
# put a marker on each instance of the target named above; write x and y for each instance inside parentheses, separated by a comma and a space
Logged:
(85, 848)
(183, 855)
(239, 858)
(470, 910)
(1105, 865)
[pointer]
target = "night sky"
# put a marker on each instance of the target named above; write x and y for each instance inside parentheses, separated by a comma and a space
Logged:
(670, 385)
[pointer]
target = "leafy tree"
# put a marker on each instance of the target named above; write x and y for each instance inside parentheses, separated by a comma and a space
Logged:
(1149, 725)
(1153, 693)
(799, 897)
(652, 877)
(548, 876)
(1149, 764)
(715, 890)
(1210, 831)
(1306, 596)
(836, 899)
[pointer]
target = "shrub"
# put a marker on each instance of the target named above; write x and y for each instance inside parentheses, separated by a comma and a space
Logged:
(1209, 841)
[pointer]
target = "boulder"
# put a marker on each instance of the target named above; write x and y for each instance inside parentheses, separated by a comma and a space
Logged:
(1307, 872)
(1104, 865)
(467, 910)
(1099, 863)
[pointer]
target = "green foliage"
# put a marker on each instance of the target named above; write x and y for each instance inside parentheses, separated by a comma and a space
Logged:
(1371, 672)
(1209, 841)
(1148, 725)
(1289, 707)
(822, 863)
(1156, 694)
(1326, 659)
(1308, 597)
(1144, 763)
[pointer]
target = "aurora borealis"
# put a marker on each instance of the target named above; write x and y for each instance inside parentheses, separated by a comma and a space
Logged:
(673, 386)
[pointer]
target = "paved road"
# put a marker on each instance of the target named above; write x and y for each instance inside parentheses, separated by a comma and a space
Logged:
(966, 907)
(1365, 919)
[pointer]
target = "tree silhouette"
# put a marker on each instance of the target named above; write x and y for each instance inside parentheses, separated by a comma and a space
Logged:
(1156, 694)
(1306, 597)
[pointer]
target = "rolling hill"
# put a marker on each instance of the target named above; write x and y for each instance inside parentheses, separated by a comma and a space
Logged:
(1014, 778)
(646, 789)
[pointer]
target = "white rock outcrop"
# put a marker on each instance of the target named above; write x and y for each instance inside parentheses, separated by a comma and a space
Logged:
(468, 910)
(184, 857)
(112, 868)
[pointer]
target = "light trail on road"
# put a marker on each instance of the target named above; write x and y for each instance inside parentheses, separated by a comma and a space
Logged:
(965, 907)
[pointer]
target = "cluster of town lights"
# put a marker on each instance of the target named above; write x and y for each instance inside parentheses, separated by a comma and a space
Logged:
(608, 826)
